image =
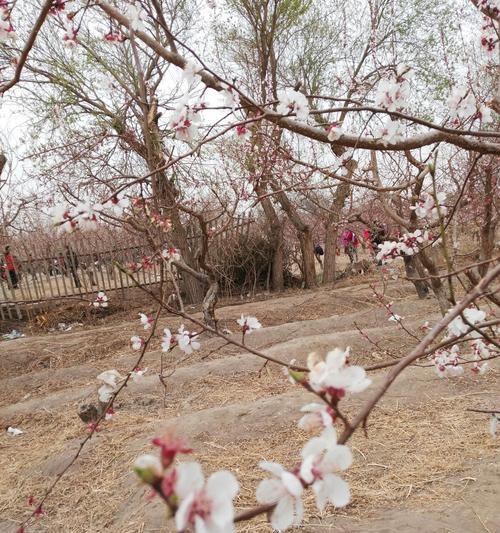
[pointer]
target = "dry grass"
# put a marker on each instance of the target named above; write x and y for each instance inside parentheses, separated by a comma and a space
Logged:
(420, 450)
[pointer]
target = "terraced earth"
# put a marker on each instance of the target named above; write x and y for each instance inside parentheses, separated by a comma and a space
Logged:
(426, 463)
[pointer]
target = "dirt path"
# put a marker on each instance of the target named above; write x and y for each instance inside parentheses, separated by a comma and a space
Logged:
(427, 464)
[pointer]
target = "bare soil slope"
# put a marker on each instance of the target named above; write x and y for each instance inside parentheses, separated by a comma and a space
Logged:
(427, 464)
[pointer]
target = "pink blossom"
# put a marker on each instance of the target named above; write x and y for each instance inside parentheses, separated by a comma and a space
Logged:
(7, 31)
(170, 446)
(101, 300)
(243, 133)
(146, 320)
(171, 254)
(114, 37)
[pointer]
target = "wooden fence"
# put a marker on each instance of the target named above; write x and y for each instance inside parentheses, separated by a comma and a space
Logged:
(68, 275)
(75, 273)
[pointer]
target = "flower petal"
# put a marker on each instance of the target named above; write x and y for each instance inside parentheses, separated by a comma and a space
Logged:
(283, 514)
(292, 484)
(269, 491)
(274, 468)
(189, 479)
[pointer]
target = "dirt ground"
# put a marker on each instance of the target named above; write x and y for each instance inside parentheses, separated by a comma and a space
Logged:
(426, 464)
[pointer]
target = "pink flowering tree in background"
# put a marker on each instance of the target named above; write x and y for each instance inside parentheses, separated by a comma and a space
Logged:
(133, 107)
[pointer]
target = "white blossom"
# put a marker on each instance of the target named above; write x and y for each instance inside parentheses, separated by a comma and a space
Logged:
(390, 132)
(6, 30)
(291, 101)
(171, 254)
(146, 320)
(248, 323)
(335, 131)
(136, 16)
(101, 300)
(284, 490)
(446, 362)
(205, 506)
(426, 206)
(187, 341)
(184, 121)
(458, 327)
(148, 467)
(137, 374)
(136, 342)
(461, 102)
(166, 340)
(335, 374)
(318, 416)
(392, 94)
(323, 458)
(190, 72)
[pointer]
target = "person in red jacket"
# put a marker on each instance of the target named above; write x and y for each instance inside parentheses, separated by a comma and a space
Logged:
(11, 267)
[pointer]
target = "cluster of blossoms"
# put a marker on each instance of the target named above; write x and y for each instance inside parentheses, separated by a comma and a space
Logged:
(7, 31)
(68, 218)
(447, 361)
(389, 132)
(429, 207)
(203, 505)
(489, 38)
(85, 216)
(206, 506)
(291, 101)
(114, 36)
(171, 254)
(463, 105)
(185, 119)
(392, 94)
(187, 341)
(408, 244)
(101, 300)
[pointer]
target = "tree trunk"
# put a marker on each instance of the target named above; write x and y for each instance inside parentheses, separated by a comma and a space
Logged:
(330, 260)
(193, 288)
(331, 230)
(487, 236)
(437, 287)
(276, 239)
(308, 260)
(209, 303)
(304, 234)
(411, 269)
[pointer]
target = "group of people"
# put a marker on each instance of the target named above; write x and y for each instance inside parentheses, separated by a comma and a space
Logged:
(65, 264)
(350, 241)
